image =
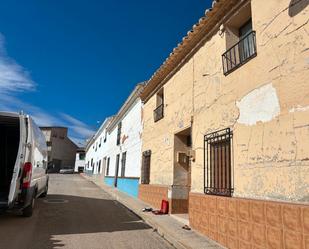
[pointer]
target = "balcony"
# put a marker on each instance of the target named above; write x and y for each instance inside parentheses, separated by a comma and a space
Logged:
(239, 54)
(158, 113)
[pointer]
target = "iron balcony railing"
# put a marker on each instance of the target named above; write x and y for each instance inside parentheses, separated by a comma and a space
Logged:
(158, 113)
(240, 53)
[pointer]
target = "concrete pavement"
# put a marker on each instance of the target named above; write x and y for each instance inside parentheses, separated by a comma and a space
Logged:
(167, 226)
(77, 214)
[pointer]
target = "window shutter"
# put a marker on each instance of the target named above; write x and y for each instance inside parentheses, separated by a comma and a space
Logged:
(145, 174)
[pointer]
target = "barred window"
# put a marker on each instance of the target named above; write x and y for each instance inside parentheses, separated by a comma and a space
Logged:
(218, 171)
(145, 174)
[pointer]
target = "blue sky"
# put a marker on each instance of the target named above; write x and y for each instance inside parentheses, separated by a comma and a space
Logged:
(73, 63)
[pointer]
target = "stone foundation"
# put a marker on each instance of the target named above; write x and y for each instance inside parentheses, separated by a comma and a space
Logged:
(245, 223)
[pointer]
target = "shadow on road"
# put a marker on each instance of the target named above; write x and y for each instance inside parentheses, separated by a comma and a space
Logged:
(64, 215)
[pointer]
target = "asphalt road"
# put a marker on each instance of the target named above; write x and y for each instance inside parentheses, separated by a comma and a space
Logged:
(77, 214)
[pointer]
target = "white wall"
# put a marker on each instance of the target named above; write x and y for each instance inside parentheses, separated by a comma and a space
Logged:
(96, 152)
(131, 129)
(78, 162)
(132, 145)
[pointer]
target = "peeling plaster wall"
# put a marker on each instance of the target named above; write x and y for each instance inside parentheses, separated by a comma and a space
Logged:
(159, 137)
(264, 102)
(261, 104)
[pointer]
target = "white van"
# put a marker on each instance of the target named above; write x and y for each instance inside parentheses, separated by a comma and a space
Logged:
(23, 163)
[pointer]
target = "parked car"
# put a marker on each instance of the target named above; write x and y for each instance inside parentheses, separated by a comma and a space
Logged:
(23, 163)
(66, 170)
(80, 169)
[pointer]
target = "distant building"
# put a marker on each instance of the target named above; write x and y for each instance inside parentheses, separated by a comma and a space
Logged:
(114, 152)
(96, 150)
(61, 150)
(80, 161)
(123, 168)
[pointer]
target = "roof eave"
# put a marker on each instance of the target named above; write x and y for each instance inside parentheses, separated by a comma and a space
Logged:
(183, 51)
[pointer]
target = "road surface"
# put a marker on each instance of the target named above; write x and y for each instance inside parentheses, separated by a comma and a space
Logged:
(77, 214)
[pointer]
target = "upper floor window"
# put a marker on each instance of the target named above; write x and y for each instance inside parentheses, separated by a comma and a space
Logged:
(118, 133)
(158, 113)
(105, 137)
(240, 40)
(100, 141)
(82, 156)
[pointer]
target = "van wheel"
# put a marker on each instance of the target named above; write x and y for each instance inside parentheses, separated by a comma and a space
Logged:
(28, 211)
(44, 194)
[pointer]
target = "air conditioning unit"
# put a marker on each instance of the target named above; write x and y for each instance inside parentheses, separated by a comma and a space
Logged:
(182, 158)
(191, 154)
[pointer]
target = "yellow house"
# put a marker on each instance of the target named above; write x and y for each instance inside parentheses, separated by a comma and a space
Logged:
(226, 125)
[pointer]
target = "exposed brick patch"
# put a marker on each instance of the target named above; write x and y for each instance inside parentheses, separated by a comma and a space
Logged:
(244, 223)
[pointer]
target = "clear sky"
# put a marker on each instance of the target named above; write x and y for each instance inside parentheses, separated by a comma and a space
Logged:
(73, 63)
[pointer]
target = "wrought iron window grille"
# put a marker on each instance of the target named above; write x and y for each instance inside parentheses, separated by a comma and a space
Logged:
(218, 166)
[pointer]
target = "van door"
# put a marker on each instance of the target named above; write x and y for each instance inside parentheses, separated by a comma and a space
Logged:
(39, 156)
(19, 161)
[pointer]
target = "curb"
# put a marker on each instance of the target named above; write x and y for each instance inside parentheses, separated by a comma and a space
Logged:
(163, 232)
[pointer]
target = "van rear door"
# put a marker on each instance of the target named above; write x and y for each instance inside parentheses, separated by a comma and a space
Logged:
(14, 188)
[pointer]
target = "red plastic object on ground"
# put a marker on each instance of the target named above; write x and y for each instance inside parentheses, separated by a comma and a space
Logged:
(164, 207)
(163, 210)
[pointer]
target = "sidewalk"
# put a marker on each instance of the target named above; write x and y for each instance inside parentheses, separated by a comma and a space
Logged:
(167, 226)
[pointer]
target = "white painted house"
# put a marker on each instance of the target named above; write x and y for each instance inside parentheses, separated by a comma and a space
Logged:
(115, 150)
(80, 162)
(96, 150)
(123, 167)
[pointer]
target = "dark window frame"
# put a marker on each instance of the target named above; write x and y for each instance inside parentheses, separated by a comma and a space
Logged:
(123, 163)
(242, 51)
(107, 166)
(119, 133)
(218, 163)
(146, 164)
(158, 112)
(116, 170)
(82, 155)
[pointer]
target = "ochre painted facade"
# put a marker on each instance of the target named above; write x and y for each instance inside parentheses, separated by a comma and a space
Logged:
(271, 153)
(265, 103)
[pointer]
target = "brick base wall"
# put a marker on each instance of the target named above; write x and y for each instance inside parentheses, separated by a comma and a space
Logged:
(152, 194)
(244, 223)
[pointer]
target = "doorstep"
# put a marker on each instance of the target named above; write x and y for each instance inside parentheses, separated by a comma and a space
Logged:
(168, 226)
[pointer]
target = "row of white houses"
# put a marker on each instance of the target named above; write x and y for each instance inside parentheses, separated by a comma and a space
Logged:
(115, 150)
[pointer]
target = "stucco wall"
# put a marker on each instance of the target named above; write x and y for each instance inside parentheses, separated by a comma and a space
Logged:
(97, 152)
(130, 142)
(265, 102)
(159, 137)
(79, 162)
(62, 148)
